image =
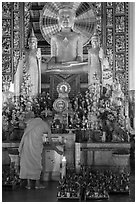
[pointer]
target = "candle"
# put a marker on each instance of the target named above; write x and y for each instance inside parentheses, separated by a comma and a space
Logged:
(126, 109)
(104, 137)
(63, 173)
(77, 157)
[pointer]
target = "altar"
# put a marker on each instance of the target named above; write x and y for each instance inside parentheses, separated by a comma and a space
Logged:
(115, 156)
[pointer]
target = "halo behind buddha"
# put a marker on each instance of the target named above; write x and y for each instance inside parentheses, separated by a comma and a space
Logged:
(84, 22)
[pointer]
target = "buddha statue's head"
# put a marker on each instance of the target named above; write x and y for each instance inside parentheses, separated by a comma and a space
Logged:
(66, 18)
(32, 41)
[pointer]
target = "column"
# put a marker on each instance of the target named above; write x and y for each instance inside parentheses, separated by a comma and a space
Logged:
(131, 46)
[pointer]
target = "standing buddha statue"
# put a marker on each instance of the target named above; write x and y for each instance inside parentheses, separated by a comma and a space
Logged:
(31, 60)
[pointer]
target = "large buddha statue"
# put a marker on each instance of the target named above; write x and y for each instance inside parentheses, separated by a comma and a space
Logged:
(66, 48)
(66, 55)
(67, 51)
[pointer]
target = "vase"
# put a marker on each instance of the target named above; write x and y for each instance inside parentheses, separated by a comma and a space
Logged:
(121, 160)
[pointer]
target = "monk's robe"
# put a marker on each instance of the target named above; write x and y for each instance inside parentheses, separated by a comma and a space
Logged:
(30, 149)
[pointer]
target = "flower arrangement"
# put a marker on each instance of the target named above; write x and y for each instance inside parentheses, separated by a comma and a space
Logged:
(13, 114)
(104, 113)
(14, 111)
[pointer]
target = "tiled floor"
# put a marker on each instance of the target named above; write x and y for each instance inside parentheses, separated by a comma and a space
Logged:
(49, 194)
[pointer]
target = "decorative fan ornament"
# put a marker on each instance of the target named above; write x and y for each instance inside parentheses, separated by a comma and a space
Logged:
(85, 20)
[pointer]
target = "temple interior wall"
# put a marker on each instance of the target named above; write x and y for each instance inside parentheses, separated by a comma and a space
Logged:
(131, 47)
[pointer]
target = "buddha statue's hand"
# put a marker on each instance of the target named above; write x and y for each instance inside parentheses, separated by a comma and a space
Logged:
(52, 60)
(79, 59)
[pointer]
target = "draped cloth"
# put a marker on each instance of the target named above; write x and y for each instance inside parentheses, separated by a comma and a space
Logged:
(18, 77)
(33, 71)
(30, 149)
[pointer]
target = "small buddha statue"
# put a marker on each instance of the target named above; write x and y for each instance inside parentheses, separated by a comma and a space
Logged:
(63, 92)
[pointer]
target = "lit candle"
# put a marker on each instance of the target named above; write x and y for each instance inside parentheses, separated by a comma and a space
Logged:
(63, 173)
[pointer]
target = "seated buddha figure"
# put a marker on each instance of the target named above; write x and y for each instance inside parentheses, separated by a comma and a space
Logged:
(67, 51)
(66, 48)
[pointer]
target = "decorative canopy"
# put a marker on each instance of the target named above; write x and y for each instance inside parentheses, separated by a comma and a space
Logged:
(85, 21)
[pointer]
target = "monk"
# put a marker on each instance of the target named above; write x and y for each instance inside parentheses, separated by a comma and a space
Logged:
(30, 149)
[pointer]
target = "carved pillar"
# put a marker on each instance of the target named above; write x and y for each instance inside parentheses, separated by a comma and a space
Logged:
(131, 46)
